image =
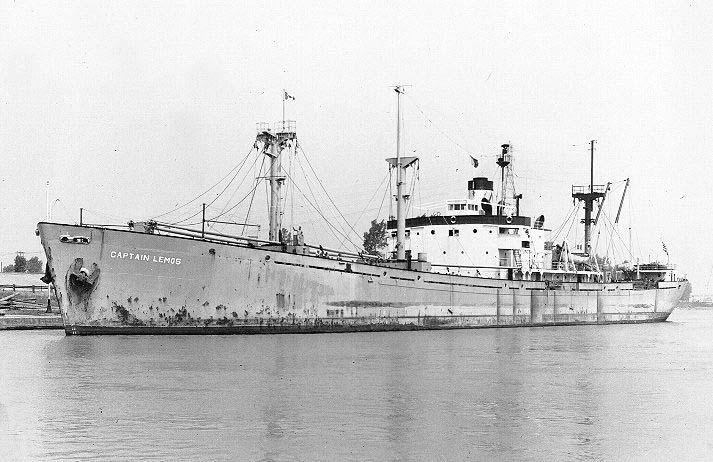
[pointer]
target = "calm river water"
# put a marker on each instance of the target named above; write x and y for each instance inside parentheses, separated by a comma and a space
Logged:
(638, 392)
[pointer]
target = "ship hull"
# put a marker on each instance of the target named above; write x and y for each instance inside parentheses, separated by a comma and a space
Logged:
(109, 281)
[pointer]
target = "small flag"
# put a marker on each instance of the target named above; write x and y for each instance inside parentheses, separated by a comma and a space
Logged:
(664, 247)
(474, 161)
(288, 96)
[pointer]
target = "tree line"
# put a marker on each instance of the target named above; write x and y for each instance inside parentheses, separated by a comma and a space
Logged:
(23, 265)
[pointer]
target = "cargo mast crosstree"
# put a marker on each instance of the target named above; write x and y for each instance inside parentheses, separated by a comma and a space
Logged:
(589, 195)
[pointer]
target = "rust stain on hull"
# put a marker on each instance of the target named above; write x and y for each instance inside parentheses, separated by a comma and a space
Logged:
(318, 328)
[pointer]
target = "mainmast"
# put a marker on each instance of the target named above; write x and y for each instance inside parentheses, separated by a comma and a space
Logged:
(400, 163)
(588, 195)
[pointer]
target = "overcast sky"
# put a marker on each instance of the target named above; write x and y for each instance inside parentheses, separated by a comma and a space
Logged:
(129, 108)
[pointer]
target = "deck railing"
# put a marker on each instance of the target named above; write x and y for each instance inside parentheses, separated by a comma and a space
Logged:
(282, 126)
(597, 188)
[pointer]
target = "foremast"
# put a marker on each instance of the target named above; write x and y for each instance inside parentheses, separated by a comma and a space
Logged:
(274, 140)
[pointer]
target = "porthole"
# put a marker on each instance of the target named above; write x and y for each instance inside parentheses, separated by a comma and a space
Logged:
(475, 230)
(433, 231)
(486, 252)
(444, 252)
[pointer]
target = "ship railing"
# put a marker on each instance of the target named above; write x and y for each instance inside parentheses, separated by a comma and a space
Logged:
(439, 265)
(655, 267)
(196, 233)
(262, 127)
(246, 241)
(597, 188)
(572, 268)
(285, 126)
(17, 287)
(563, 266)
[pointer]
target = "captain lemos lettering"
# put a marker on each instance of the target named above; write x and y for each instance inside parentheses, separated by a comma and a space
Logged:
(145, 257)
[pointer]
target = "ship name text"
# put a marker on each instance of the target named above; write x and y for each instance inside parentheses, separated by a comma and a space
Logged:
(145, 257)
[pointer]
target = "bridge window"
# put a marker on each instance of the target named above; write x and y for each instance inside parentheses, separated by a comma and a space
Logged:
(453, 232)
(525, 244)
(472, 207)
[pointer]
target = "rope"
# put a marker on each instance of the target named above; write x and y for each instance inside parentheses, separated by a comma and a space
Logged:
(320, 214)
(318, 209)
(556, 233)
(219, 194)
(223, 211)
(369, 203)
(325, 191)
(428, 119)
(239, 202)
(618, 235)
(239, 165)
(386, 190)
(252, 198)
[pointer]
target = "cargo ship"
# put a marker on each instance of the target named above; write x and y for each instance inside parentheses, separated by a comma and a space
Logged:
(477, 263)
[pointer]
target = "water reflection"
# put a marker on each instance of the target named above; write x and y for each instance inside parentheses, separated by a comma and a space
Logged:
(605, 392)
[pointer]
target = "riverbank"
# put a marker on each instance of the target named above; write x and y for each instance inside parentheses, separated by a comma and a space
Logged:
(30, 321)
(24, 303)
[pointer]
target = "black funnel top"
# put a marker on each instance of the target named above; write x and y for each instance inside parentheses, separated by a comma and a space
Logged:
(480, 183)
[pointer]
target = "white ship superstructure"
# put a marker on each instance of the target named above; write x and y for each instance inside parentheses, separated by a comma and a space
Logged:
(466, 238)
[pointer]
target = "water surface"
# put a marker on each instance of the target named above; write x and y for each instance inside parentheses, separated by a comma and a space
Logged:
(638, 392)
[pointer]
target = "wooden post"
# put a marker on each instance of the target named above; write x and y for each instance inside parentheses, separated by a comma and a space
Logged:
(49, 306)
